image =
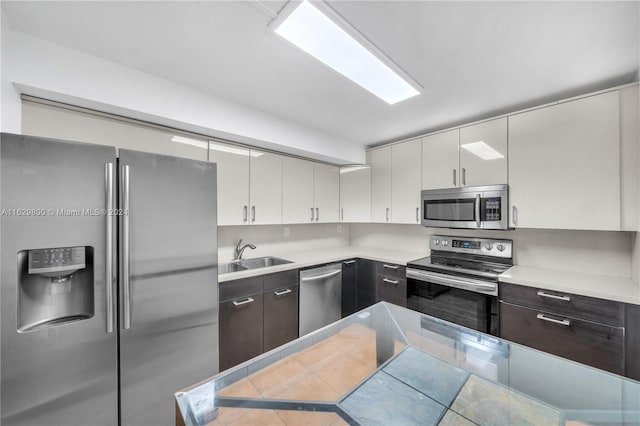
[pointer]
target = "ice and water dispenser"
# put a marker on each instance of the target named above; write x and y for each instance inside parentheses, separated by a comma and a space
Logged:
(55, 286)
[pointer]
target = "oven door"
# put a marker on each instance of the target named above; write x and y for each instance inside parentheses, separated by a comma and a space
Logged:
(469, 302)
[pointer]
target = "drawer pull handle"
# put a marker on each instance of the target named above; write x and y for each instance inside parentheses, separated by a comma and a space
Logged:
(387, 280)
(553, 296)
(394, 267)
(282, 292)
(564, 322)
(243, 302)
(349, 262)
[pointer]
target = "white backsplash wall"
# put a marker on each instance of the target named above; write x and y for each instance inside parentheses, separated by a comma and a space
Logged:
(270, 240)
(596, 252)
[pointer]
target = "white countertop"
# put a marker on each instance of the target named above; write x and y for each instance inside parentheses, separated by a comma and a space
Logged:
(600, 286)
(303, 259)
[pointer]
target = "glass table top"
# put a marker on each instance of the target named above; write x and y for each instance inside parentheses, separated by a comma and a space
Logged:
(390, 365)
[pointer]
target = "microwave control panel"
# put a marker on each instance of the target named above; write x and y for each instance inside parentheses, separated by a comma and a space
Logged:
(490, 209)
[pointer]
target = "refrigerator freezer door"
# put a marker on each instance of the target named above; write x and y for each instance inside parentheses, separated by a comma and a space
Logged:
(62, 369)
(169, 324)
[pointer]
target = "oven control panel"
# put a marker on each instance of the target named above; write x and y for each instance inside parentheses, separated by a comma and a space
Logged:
(483, 246)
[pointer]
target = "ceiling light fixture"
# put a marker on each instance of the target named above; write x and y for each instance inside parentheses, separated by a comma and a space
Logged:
(322, 33)
(482, 150)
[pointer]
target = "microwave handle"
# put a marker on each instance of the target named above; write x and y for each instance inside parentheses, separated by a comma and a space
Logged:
(478, 210)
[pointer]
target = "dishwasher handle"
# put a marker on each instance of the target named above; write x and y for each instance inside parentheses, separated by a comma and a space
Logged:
(322, 276)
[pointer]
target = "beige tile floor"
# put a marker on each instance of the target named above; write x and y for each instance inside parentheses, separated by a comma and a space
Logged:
(322, 372)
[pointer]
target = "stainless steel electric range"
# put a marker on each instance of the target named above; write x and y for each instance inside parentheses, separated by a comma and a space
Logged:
(459, 281)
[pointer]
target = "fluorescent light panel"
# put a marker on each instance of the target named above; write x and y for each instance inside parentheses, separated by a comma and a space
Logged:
(482, 150)
(315, 33)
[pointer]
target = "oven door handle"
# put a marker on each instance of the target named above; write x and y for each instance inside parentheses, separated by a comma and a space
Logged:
(457, 282)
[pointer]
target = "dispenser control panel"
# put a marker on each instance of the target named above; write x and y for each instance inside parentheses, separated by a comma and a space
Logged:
(61, 259)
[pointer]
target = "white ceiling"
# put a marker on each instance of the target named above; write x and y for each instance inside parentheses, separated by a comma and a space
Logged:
(474, 59)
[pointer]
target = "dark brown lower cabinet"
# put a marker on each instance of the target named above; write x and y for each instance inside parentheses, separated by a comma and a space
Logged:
(391, 289)
(280, 316)
(349, 302)
(241, 335)
(257, 314)
(595, 344)
(366, 283)
(632, 344)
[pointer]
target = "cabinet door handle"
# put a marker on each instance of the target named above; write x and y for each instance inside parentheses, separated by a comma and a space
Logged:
(243, 302)
(454, 177)
(342, 214)
(553, 296)
(417, 214)
(282, 292)
(514, 215)
(564, 322)
(245, 214)
(311, 214)
(387, 280)
(394, 267)
(349, 262)
(464, 176)
(317, 214)
(253, 213)
(387, 214)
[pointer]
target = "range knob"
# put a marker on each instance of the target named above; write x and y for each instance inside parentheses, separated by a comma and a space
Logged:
(488, 246)
(500, 247)
(445, 242)
(436, 242)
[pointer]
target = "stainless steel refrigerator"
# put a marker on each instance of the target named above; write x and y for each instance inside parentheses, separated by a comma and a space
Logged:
(109, 300)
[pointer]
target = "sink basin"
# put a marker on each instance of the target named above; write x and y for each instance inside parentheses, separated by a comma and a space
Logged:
(245, 264)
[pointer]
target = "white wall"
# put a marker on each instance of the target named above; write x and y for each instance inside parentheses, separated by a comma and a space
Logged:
(270, 240)
(41, 68)
(597, 252)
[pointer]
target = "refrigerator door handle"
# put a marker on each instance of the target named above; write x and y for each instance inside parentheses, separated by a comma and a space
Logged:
(108, 178)
(126, 283)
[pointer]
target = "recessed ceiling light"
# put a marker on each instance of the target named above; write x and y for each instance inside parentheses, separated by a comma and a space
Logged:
(322, 33)
(482, 150)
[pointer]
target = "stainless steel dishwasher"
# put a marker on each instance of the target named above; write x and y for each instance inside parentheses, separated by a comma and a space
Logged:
(320, 297)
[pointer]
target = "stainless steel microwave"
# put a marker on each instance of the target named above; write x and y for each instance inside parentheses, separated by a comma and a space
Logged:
(469, 207)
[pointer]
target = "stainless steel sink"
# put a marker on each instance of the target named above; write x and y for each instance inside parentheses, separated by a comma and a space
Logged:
(245, 264)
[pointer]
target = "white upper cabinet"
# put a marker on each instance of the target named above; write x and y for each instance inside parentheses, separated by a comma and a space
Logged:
(483, 153)
(297, 191)
(564, 165)
(355, 194)
(265, 188)
(326, 192)
(440, 161)
(233, 182)
(406, 181)
(311, 191)
(380, 160)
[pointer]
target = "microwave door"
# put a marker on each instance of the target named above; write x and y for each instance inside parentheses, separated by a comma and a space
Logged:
(461, 211)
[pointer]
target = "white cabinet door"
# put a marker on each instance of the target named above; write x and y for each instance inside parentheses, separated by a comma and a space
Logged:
(564, 165)
(297, 190)
(380, 184)
(355, 194)
(406, 181)
(483, 153)
(440, 160)
(233, 182)
(326, 192)
(265, 188)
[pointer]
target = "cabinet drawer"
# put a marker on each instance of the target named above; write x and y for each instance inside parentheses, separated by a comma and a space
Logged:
(590, 343)
(280, 279)
(391, 270)
(240, 330)
(280, 316)
(589, 308)
(238, 288)
(391, 289)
